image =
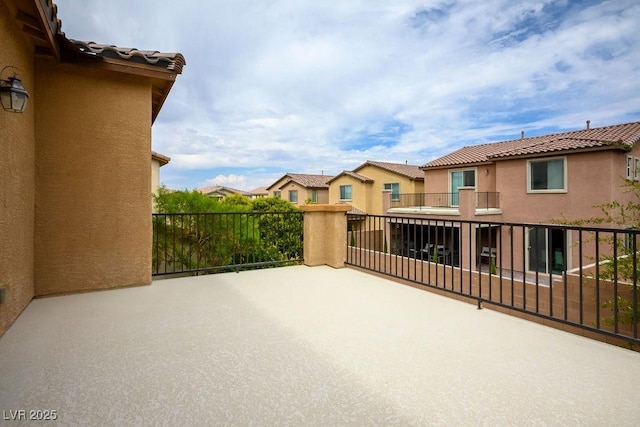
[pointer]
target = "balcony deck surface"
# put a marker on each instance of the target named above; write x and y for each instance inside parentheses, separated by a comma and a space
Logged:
(304, 346)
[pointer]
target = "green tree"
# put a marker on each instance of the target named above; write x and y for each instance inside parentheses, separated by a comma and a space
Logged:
(279, 227)
(621, 261)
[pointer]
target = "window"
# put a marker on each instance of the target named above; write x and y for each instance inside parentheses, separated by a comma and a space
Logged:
(461, 178)
(293, 196)
(345, 192)
(314, 196)
(395, 190)
(630, 165)
(276, 194)
(636, 169)
(547, 175)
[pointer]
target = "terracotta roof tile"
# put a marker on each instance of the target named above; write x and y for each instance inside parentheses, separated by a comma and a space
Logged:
(355, 175)
(622, 136)
(305, 180)
(221, 189)
(169, 61)
(260, 191)
(410, 171)
(161, 158)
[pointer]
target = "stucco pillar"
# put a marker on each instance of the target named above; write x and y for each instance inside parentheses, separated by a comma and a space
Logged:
(386, 201)
(467, 208)
(325, 234)
(467, 203)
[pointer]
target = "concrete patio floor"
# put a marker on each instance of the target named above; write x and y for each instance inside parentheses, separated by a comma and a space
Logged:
(304, 346)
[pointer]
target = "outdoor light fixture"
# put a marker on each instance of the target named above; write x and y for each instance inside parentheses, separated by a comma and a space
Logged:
(13, 95)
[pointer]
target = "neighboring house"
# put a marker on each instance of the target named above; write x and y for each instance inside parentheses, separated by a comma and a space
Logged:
(299, 188)
(363, 187)
(157, 161)
(75, 174)
(220, 192)
(259, 192)
(535, 180)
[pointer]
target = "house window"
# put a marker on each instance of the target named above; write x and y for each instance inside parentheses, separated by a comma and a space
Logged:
(547, 175)
(461, 178)
(276, 194)
(345, 192)
(630, 165)
(293, 196)
(395, 190)
(314, 196)
(636, 169)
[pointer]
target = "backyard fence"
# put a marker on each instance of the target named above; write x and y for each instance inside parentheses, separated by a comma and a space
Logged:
(581, 279)
(197, 243)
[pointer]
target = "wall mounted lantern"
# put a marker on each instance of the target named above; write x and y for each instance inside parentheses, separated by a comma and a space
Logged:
(13, 95)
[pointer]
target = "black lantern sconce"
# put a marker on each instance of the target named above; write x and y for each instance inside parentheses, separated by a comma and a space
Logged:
(13, 95)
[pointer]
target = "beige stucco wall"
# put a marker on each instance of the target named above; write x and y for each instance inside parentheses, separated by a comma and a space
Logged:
(368, 196)
(359, 192)
(93, 209)
(304, 193)
(17, 175)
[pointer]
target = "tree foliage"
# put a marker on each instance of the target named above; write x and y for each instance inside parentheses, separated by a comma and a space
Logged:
(200, 232)
(620, 261)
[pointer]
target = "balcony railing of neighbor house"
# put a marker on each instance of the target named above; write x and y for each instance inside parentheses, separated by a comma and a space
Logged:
(487, 200)
(423, 200)
(484, 200)
(581, 279)
(210, 242)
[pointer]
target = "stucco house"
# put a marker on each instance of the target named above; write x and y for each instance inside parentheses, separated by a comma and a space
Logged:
(76, 170)
(363, 186)
(298, 188)
(220, 192)
(259, 192)
(536, 180)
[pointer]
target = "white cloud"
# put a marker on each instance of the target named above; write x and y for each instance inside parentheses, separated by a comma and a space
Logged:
(303, 86)
(235, 181)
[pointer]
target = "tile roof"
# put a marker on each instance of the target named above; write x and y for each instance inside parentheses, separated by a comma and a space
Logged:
(621, 136)
(260, 191)
(305, 180)
(410, 171)
(173, 62)
(355, 175)
(161, 158)
(222, 189)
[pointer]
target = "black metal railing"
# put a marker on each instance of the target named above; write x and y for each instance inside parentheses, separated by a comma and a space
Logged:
(484, 200)
(583, 279)
(424, 200)
(487, 200)
(209, 242)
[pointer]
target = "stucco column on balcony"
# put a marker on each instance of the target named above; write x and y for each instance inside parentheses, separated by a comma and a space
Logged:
(325, 234)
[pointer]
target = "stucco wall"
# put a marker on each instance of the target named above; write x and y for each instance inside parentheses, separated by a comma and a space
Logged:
(359, 192)
(381, 177)
(93, 207)
(17, 175)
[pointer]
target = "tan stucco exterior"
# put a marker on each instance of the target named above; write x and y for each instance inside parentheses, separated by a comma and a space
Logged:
(367, 196)
(96, 164)
(75, 174)
(17, 179)
(285, 185)
(325, 231)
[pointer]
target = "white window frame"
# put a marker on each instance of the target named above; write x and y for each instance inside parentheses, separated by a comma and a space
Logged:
(636, 169)
(565, 188)
(340, 189)
(314, 196)
(291, 193)
(630, 165)
(277, 194)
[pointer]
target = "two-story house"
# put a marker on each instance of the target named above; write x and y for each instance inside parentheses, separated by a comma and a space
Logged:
(298, 188)
(363, 186)
(536, 180)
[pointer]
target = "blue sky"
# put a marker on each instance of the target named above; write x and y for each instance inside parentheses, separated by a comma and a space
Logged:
(308, 86)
